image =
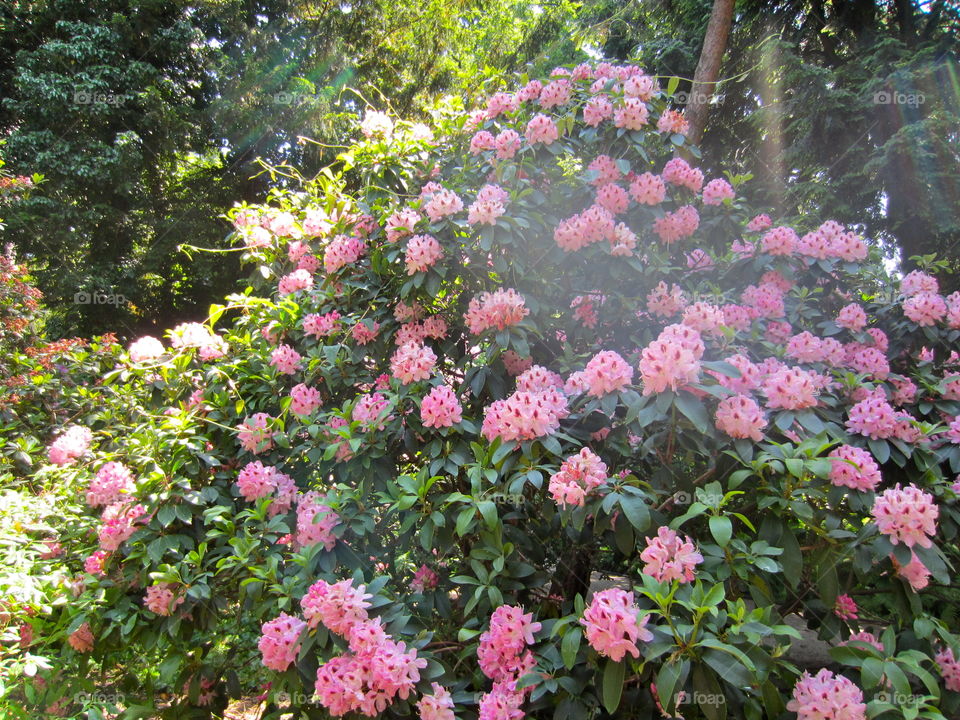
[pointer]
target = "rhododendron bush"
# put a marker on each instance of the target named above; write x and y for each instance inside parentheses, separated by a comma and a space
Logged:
(522, 415)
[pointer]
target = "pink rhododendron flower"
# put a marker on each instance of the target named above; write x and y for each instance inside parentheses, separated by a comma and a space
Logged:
(297, 280)
(611, 625)
(678, 172)
(759, 223)
(703, 317)
(779, 241)
(72, 444)
(855, 468)
(716, 191)
(672, 121)
(321, 325)
(524, 415)
(667, 363)
(823, 696)
(94, 563)
(639, 86)
(423, 252)
(852, 317)
(257, 480)
(285, 359)
(541, 129)
(112, 483)
(304, 400)
(668, 557)
(925, 309)
(514, 363)
(363, 333)
(607, 372)
(677, 225)
(632, 115)
(401, 224)
(160, 597)
(597, 110)
(906, 515)
(556, 92)
(917, 282)
(949, 669)
(578, 475)
(502, 651)
(845, 608)
(440, 408)
(424, 579)
(117, 524)
(740, 417)
(864, 637)
(438, 706)
(873, 417)
(412, 362)
(791, 388)
(254, 433)
(507, 143)
(339, 606)
(342, 251)
(914, 572)
(280, 641)
(648, 189)
(498, 310)
(666, 302)
(315, 522)
(146, 349)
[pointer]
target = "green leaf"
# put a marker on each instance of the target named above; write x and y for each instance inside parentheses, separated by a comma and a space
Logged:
(613, 675)
(694, 410)
(722, 529)
(636, 511)
(489, 511)
(570, 646)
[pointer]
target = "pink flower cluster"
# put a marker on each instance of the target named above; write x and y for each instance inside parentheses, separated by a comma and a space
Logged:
(578, 475)
(607, 372)
(791, 388)
(423, 252)
(845, 608)
(666, 301)
(678, 172)
(440, 408)
(855, 468)
(315, 522)
(949, 668)
(502, 652)
(297, 280)
(161, 599)
(611, 625)
(343, 250)
(438, 706)
(534, 410)
(304, 400)
(424, 579)
(740, 417)
(280, 641)
(365, 331)
(285, 359)
(906, 515)
(827, 697)
(117, 524)
(648, 189)
(541, 129)
(412, 362)
(254, 433)
(852, 317)
(112, 483)
(672, 360)
(402, 223)
(441, 204)
(673, 226)
(716, 191)
(321, 325)
(339, 606)
(74, 442)
(145, 349)
(498, 309)
(375, 670)
(257, 480)
(668, 557)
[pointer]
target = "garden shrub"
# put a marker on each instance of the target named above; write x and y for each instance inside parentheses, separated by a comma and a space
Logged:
(478, 365)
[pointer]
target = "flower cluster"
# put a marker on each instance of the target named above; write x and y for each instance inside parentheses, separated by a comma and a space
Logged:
(667, 557)
(906, 515)
(822, 696)
(578, 475)
(611, 625)
(112, 483)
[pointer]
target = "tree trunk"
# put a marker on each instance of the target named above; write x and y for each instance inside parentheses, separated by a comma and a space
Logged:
(708, 68)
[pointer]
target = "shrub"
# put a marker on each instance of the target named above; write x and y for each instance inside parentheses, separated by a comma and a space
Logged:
(485, 363)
